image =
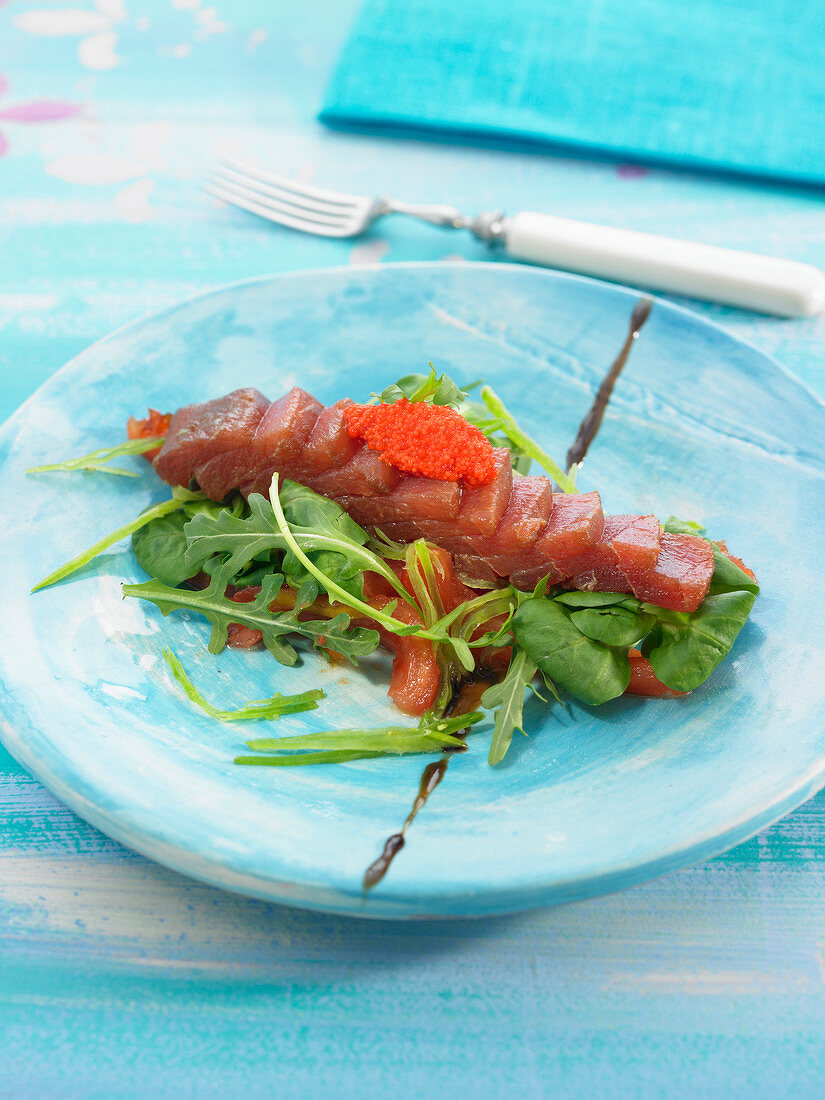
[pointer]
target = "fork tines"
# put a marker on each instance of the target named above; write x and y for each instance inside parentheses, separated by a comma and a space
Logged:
(296, 205)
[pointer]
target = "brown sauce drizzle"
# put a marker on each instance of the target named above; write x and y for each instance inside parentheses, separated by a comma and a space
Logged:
(464, 700)
(467, 695)
(589, 427)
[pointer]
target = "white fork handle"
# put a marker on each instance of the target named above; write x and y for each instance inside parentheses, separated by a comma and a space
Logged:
(743, 279)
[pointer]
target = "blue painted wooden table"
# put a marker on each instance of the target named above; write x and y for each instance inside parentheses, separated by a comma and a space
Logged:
(119, 978)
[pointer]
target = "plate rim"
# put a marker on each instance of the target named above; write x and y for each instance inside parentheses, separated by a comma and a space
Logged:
(540, 892)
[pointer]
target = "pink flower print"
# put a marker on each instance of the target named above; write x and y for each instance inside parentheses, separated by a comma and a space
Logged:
(35, 110)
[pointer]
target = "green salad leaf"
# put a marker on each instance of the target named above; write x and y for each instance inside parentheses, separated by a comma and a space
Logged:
(437, 389)
(333, 543)
(297, 538)
(98, 460)
(684, 653)
(500, 422)
(597, 599)
(275, 707)
(612, 626)
(684, 649)
(334, 634)
(507, 699)
(432, 735)
(593, 672)
(156, 511)
(161, 547)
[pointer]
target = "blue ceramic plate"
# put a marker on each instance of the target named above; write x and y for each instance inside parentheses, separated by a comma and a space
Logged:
(593, 799)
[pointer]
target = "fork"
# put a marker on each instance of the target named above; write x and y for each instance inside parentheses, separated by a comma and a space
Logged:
(744, 279)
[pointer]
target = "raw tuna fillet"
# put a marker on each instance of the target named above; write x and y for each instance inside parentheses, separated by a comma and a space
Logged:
(475, 568)
(628, 549)
(223, 473)
(199, 432)
(636, 541)
(416, 499)
(480, 513)
(681, 576)
(576, 524)
(482, 507)
(279, 440)
(513, 527)
(366, 474)
(329, 445)
(527, 514)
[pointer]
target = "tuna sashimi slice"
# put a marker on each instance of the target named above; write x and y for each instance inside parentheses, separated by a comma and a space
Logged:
(628, 548)
(681, 577)
(329, 444)
(474, 568)
(636, 541)
(526, 516)
(482, 507)
(223, 473)
(414, 499)
(366, 474)
(576, 523)
(279, 440)
(522, 521)
(199, 432)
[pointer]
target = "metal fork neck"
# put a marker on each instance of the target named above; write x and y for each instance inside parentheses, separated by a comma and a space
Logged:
(487, 226)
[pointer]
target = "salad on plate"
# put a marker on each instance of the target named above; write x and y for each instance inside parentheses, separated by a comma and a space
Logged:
(410, 520)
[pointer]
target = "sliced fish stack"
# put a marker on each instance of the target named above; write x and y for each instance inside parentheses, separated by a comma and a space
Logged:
(513, 527)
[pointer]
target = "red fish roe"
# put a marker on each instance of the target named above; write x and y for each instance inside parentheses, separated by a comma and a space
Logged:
(424, 440)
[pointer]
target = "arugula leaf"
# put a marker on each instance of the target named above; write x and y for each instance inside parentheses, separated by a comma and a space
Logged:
(438, 390)
(97, 460)
(333, 543)
(505, 422)
(311, 512)
(337, 594)
(587, 669)
(507, 699)
(160, 547)
(432, 735)
(328, 634)
(613, 626)
(77, 562)
(275, 707)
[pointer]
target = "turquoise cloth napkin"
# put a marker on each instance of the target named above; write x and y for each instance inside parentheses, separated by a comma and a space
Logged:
(727, 84)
